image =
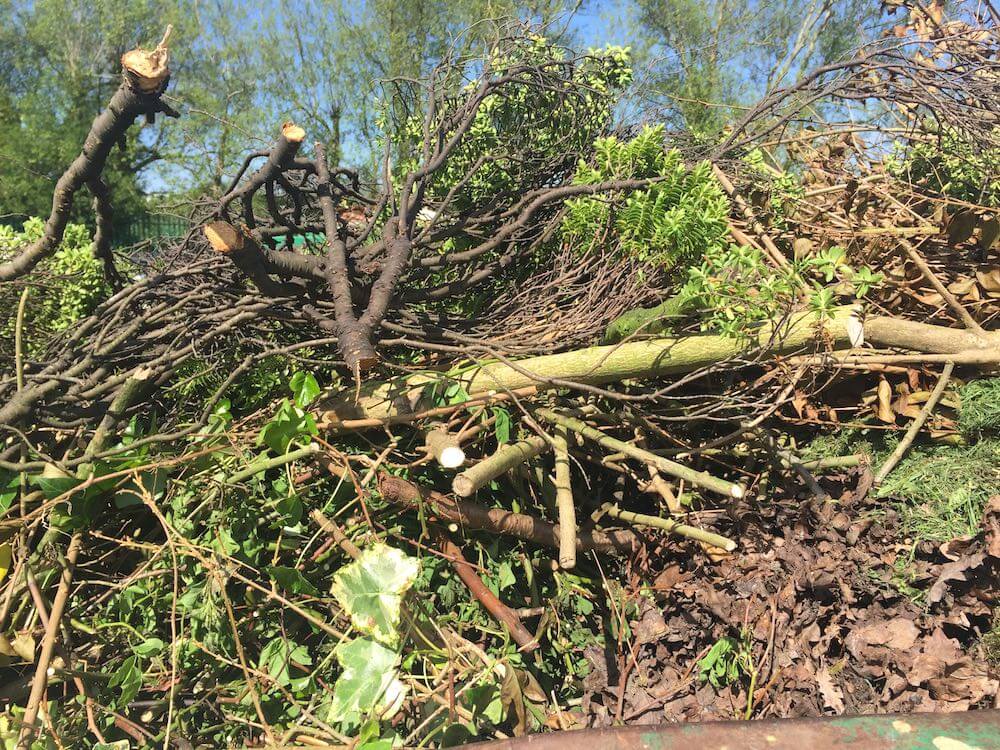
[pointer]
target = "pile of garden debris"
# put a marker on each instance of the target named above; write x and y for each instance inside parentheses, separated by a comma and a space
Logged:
(820, 586)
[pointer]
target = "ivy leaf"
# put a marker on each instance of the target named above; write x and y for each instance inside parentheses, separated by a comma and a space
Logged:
(291, 579)
(368, 681)
(371, 590)
(304, 388)
(128, 680)
(276, 658)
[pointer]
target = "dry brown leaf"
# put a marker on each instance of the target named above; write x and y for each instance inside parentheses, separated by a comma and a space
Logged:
(833, 697)
(989, 230)
(937, 654)
(954, 571)
(961, 226)
(884, 411)
(990, 280)
(962, 286)
(898, 634)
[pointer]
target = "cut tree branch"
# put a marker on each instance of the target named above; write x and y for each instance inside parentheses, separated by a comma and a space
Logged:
(144, 78)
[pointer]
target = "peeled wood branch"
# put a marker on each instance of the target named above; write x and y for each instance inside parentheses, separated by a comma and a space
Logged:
(668, 524)
(564, 500)
(145, 75)
(602, 364)
(491, 467)
(469, 515)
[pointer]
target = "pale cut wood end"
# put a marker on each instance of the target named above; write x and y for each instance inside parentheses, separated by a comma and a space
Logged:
(223, 237)
(150, 67)
(292, 132)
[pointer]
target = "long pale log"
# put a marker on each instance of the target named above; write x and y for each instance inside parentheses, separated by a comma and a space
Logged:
(602, 364)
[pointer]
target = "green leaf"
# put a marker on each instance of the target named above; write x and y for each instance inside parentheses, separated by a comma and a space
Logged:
(128, 679)
(53, 487)
(276, 657)
(371, 590)
(149, 647)
(291, 579)
(289, 423)
(368, 681)
(501, 427)
(304, 388)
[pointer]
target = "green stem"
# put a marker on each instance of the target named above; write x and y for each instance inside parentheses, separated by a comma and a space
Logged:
(674, 469)
(667, 524)
(263, 464)
(497, 464)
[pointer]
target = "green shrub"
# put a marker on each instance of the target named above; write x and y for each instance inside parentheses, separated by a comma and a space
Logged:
(674, 222)
(951, 166)
(75, 282)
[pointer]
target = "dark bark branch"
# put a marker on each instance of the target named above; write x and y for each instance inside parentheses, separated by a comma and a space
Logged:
(144, 77)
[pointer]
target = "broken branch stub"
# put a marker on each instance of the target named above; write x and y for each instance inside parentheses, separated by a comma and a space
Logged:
(491, 467)
(145, 75)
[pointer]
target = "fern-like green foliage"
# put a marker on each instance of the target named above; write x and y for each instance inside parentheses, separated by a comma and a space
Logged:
(77, 282)
(673, 223)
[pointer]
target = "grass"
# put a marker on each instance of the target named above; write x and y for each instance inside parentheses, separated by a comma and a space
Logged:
(991, 641)
(980, 414)
(941, 491)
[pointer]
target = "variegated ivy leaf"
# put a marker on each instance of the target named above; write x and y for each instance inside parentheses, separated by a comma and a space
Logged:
(371, 590)
(368, 682)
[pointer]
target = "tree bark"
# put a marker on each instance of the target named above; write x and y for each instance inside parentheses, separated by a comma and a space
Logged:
(603, 364)
(469, 515)
(145, 75)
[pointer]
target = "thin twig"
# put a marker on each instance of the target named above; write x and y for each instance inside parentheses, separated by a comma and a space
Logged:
(967, 320)
(911, 433)
(41, 678)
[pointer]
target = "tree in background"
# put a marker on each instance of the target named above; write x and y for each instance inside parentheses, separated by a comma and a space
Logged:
(706, 58)
(59, 64)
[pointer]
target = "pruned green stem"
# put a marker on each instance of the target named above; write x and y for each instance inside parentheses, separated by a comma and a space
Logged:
(674, 469)
(263, 464)
(564, 500)
(498, 464)
(668, 524)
